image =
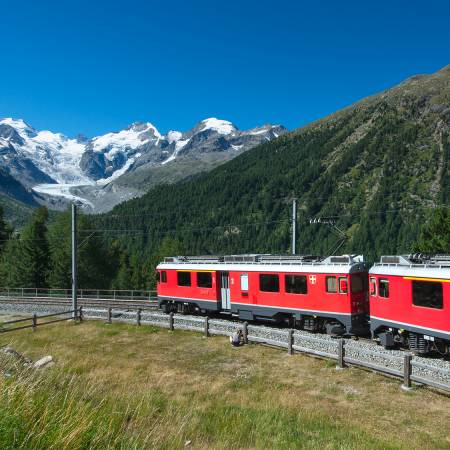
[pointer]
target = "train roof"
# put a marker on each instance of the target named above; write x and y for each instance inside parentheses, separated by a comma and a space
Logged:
(267, 263)
(417, 265)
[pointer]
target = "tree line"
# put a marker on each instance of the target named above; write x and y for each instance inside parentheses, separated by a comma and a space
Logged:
(39, 255)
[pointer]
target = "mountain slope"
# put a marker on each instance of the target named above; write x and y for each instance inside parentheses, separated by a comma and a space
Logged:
(377, 167)
(62, 170)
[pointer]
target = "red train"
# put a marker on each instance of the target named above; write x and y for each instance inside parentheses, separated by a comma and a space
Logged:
(410, 302)
(308, 292)
(409, 296)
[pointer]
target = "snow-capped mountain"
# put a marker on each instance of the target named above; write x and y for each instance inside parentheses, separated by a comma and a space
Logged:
(52, 164)
(34, 158)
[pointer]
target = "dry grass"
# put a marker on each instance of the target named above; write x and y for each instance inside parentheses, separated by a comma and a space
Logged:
(121, 386)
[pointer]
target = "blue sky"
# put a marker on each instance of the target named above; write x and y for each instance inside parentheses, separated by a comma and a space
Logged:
(96, 66)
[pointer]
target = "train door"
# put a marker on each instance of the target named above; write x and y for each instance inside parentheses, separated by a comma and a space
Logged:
(225, 289)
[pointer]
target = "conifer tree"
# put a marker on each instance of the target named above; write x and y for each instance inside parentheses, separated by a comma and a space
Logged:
(435, 235)
(25, 259)
(169, 247)
(5, 230)
(60, 274)
(10, 276)
(124, 277)
(97, 261)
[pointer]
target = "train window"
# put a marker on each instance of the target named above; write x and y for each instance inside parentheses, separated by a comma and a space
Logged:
(163, 276)
(269, 283)
(343, 285)
(296, 284)
(204, 279)
(427, 294)
(244, 282)
(383, 288)
(331, 284)
(184, 278)
(373, 286)
(357, 283)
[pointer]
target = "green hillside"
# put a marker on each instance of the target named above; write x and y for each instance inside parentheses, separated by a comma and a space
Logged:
(16, 213)
(379, 167)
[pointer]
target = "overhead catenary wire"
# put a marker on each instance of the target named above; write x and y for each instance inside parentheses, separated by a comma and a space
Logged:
(288, 220)
(282, 200)
(129, 232)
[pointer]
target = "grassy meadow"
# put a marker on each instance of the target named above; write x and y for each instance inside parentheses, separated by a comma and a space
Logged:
(122, 386)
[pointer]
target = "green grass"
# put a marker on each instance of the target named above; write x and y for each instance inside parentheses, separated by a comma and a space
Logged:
(58, 410)
(122, 386)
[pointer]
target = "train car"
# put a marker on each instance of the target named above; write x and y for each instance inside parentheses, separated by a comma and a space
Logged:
(410, 302)
(308, 292)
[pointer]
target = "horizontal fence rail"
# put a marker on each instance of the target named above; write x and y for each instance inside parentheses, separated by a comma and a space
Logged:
(82, 293)
(93, 297)
(6, 327)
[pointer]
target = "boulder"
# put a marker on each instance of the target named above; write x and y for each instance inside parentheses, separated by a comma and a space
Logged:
(14, 353)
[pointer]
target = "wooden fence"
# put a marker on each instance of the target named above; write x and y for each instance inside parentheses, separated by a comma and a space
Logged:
(5, 327)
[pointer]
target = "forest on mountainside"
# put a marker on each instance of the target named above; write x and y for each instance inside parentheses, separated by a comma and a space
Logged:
(40, 255)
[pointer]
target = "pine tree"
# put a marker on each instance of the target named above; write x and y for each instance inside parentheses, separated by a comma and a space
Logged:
(60, 274)
(97, 260)
(10, 276)
(124, 277)
(435, 235)
(5, 230)
(25, 260)
(168, 247)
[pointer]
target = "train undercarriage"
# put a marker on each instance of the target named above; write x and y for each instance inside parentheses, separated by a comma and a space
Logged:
(416, 343)
(315, 324)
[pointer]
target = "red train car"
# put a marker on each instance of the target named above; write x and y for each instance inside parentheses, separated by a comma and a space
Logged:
(410, 302)
(309, 292)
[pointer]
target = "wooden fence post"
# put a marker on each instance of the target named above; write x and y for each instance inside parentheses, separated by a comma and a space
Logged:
(290, 341)
(206, 326)
(34, 322)
(245, 332)
(341, 354)
(138, 317)
(171, 321)
(407, 372)
(109, 315)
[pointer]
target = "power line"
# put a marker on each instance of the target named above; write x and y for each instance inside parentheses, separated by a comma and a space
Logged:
(139, 232)
(130, 230)
(278, 199)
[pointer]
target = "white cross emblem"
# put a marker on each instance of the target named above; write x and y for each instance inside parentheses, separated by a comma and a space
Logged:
(312, 279)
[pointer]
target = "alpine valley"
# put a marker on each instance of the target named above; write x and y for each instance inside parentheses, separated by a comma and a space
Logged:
(43, 167)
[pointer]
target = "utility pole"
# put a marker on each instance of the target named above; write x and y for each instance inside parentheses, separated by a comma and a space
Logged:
(294, 224)
(74, 262)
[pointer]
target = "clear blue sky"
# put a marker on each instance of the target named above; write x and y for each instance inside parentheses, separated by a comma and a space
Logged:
(96, 66)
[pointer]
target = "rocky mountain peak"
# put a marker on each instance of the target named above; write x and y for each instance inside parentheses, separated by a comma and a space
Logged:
(19, 125)
(43, 159)
(220, 126)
